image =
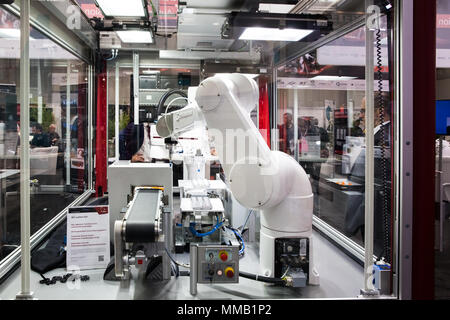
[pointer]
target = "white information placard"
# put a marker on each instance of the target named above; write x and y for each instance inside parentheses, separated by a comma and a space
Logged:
(88, 243)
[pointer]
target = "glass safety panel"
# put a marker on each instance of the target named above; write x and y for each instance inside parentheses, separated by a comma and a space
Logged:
(321, 122)
(58, 130)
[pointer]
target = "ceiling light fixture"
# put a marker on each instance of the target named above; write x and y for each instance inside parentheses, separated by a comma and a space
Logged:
(122, 8)
(135, 36)
(275, 27)
(151, 72)
(275, 7)
(273, 34)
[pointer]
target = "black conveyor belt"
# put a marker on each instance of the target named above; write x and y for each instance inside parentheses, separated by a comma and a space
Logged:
(140, 223)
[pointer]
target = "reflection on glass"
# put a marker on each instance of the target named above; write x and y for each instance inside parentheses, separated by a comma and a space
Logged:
(140, 143)
(321, 123)
(58, 130)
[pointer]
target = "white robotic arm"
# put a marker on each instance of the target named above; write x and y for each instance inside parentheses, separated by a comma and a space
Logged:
(259, 178)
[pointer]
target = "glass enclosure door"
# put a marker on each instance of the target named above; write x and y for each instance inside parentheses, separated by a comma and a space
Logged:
(321, 122)
(58, 130)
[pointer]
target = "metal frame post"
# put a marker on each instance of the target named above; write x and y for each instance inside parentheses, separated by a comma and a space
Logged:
(369, 196)
(90, 127)
(68, 140)
(25, 292)
(274, 123)
(193, 270)
(136, 87)
(295, 116)
(39, 97)
(116, 113)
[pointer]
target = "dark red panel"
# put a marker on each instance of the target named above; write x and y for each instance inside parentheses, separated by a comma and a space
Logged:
(264, 108)
(101, 160)
(424, 74)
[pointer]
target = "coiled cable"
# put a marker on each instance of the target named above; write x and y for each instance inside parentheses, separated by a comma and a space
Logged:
(385, 187)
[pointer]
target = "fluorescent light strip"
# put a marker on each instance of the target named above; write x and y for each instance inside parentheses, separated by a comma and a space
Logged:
(274, 34)
(10, 33)
(135, 36)
(122, 8)
(275, 8)
(151, 72)
(249, 75)
(332, 78)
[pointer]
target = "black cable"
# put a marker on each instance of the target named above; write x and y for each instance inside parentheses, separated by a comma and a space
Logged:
(175, 269)
(262, 278)
(44, 277)
(166, 96)
(385, 195)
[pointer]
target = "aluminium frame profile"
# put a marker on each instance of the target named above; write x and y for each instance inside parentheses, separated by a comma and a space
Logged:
(302, 6)
(404, 122)
(369, 206)
(136, 87)
(117, 110)
(90, 128)
(25, 220)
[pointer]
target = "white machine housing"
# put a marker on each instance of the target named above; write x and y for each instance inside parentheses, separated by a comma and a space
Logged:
(259, 178)
(123, 175)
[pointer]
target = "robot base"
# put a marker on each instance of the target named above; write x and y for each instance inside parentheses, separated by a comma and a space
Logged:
(269, 257)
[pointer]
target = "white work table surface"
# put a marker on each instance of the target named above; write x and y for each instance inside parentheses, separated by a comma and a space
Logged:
(340, 277)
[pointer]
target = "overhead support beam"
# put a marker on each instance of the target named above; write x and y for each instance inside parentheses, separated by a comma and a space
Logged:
(302, 6)
(209, 55)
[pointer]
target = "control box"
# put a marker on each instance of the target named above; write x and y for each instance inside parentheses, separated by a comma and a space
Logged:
(292, 259)
(213, 264)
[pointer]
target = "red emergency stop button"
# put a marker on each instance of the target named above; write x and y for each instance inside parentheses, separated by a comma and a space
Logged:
(223, 256)
(229, 272)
